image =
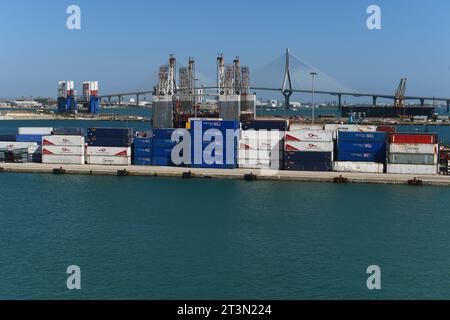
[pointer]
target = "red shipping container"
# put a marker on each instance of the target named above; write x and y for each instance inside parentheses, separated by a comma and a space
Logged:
(388, 129)
(414, 138)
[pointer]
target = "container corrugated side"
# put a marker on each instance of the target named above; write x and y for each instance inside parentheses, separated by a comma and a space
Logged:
(260, 154)
(412, 169)
(363, 136)
(309, 146)
(341, 127)
(321, 166)
(260, 145)
(308, 156)
(56, 159)
(63, 150)
(35, 131)
(309, 136)
(413, 148)
(309, 127)
(401, 158)
(109, 151)
(108, 160)
(373, 147)
(259, 164)
(16, 145)
(60, 140)
(262, 135)
(367, 128)
(404, 138)
(363, 167)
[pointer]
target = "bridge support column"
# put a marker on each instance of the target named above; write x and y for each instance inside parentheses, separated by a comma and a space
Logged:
(448, 106)
(287, 98)
(422, 102)
(374, 100)
(120, 101)
(109, 100)
(340, 102)
(137, 100)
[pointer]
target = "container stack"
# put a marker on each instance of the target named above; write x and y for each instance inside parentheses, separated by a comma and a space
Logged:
(162, 146)
(308, 150)
(18, 152)
(361, 152)
(33, 134)
(214, 144)
(261, 150)
(444, 160)
(109, 146)
(413, 154)
(63, 150)
(276, 124)
(143, 151)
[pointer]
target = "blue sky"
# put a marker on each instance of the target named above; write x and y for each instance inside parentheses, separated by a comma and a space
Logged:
(122, 43)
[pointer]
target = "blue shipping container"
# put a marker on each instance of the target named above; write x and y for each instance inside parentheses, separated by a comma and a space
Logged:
(322, 166)
(294, 156)
(7, 138)
(68, 132)
(281, 125)
(362, 157)
(159, 143)
(163, 134)
(143, 161)
(143, 143)
(362, 136)
(162, 161)
(143, 152)
(29, 138)
(109, 132)
(369, 147)
(105, 142)
(216, 124)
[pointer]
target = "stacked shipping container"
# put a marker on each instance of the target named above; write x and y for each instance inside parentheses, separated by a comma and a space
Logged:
(261, 149)
(63, 150)
(109, 146)
(214, 144)
(413, 154)
(361, 152)
(308, 150)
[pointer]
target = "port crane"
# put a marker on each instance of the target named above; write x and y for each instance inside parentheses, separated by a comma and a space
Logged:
(400, 94)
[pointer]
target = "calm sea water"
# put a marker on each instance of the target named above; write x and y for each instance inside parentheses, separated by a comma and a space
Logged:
(156, 238)
(153, 238)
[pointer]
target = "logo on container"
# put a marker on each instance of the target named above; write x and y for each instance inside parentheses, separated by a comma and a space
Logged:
(64, 140)
(312, 135)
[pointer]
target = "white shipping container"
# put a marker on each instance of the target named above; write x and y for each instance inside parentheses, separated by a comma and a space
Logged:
(16, 145)
(363, 167)
(109, 160)
(57, 159)
(259, 164)
(109, 151)
(74, 141)
(35, 131)
(35, 150)
(308, 136)
(412, 169)
(260, 154)
(262, 135)
(341, 127)
(260, 145)
(309, 146)
(413, 148)
(301, 126)
(63, 150)
(365, 128)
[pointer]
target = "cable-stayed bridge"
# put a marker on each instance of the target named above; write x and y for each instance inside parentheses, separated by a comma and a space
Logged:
(293, 73)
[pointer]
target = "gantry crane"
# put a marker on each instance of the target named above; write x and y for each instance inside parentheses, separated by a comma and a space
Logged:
(400, 94)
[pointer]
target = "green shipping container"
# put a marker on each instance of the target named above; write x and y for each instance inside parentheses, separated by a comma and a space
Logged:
(401, 158)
